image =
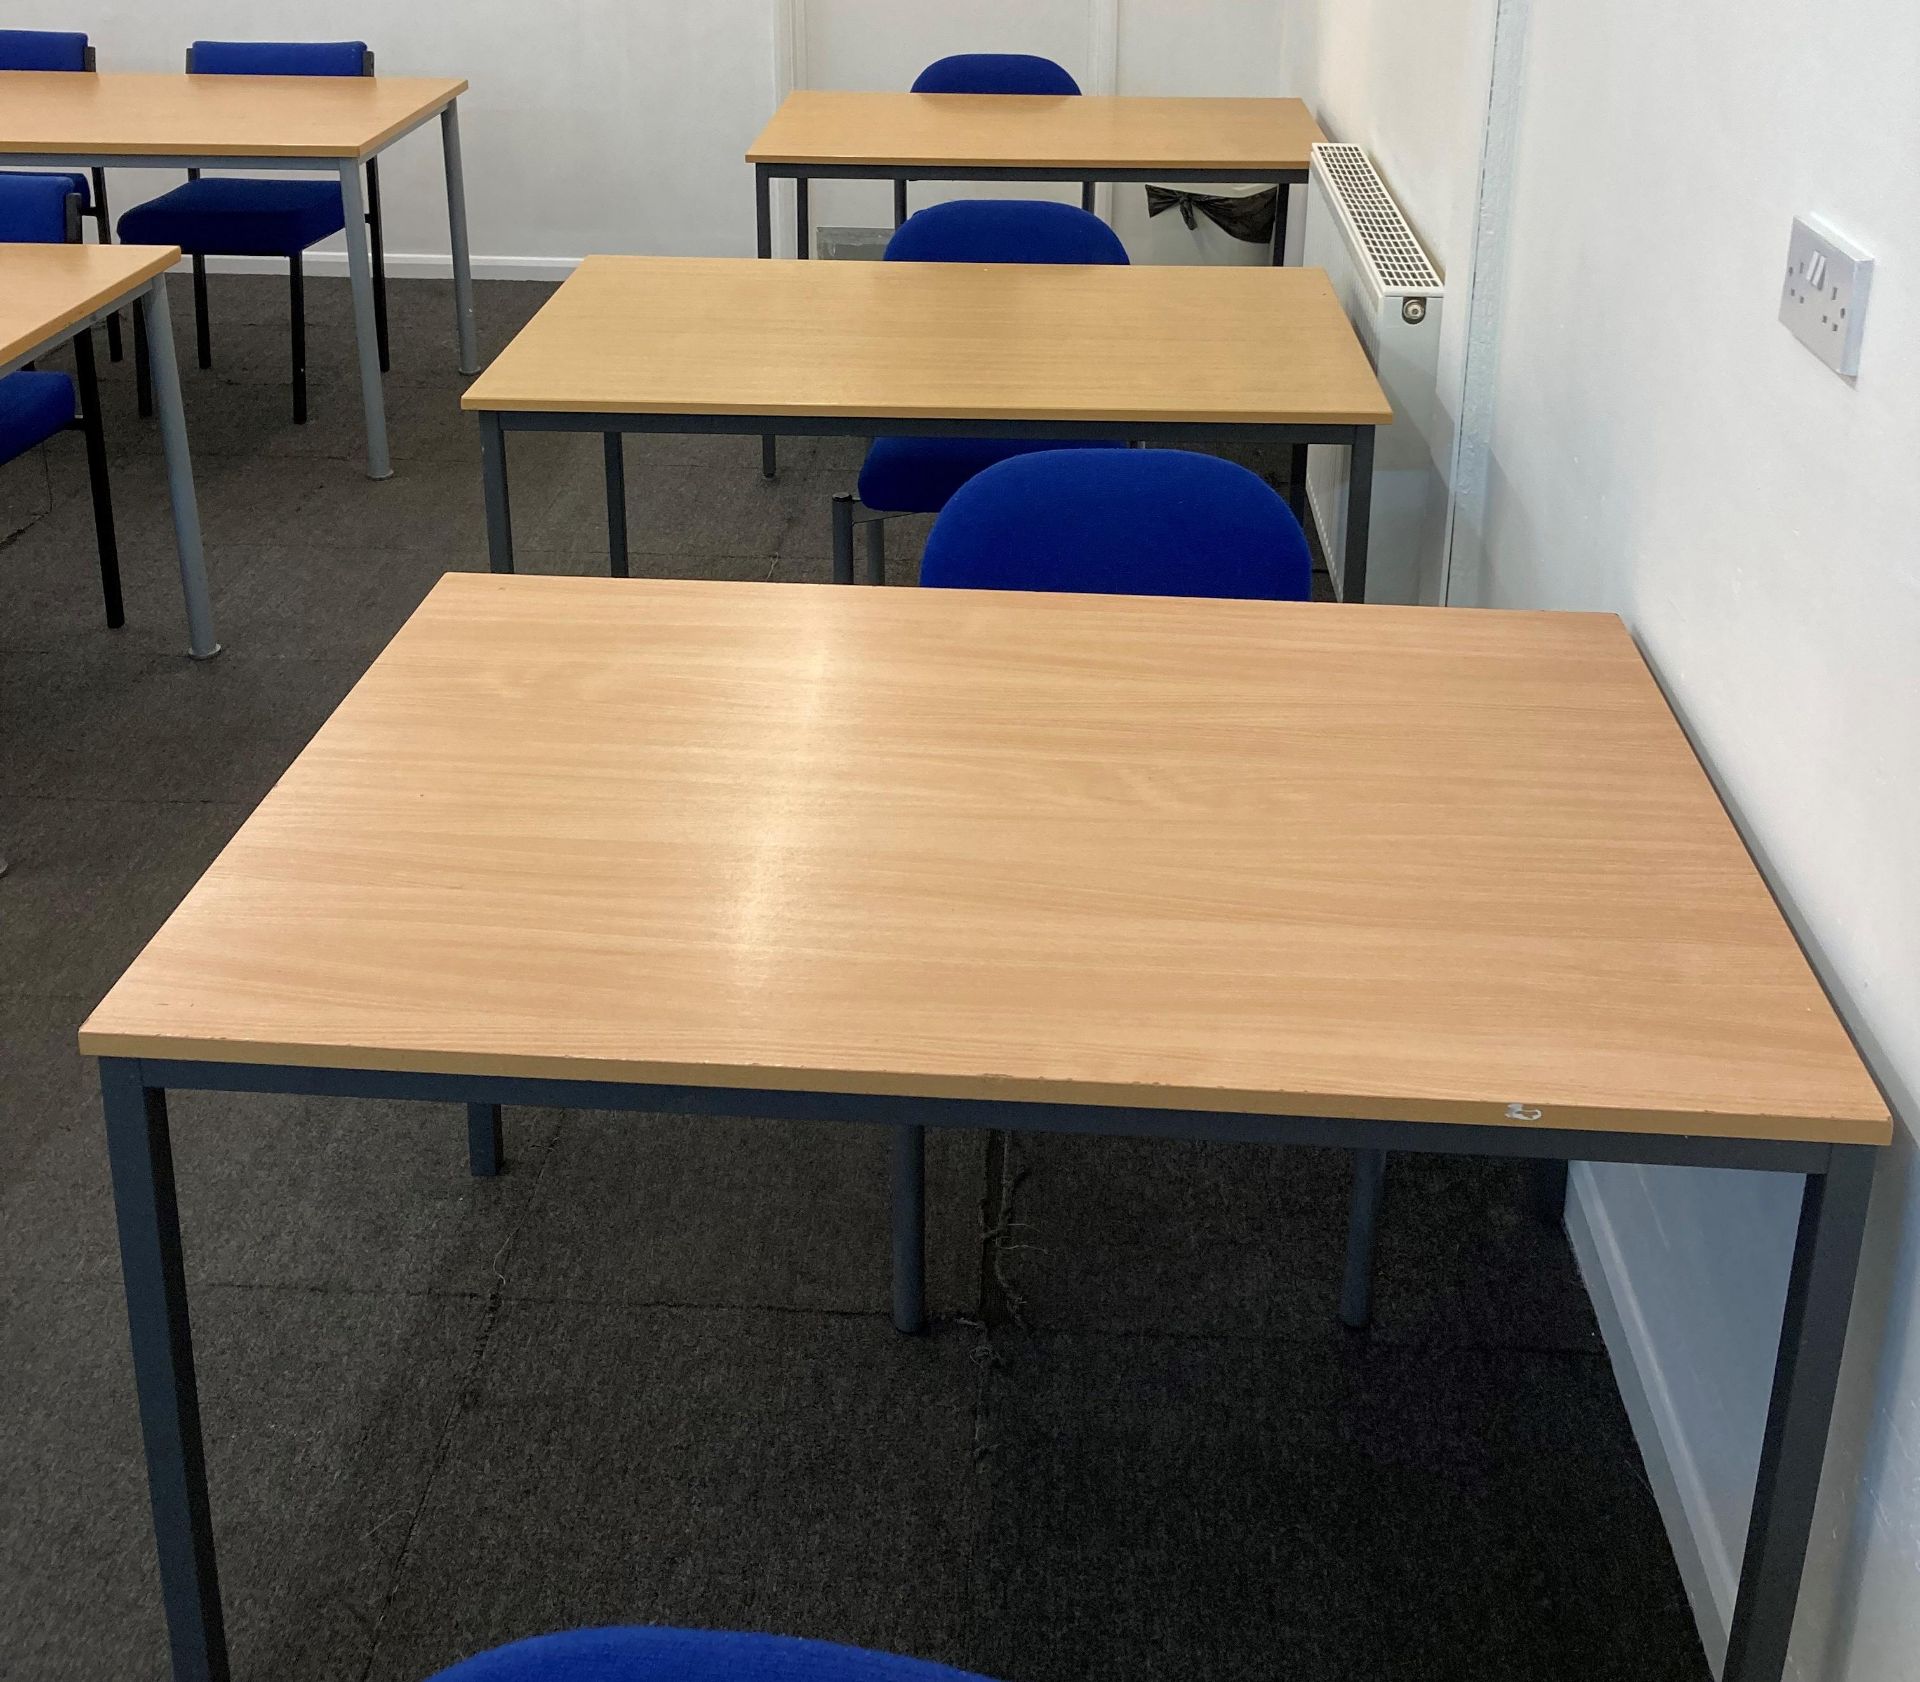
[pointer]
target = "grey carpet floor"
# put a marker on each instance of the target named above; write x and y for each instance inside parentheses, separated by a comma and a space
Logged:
(647, 1375)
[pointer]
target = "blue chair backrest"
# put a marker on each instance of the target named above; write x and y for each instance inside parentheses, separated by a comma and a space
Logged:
(1004, 231)
(994, 73)
(33, 209)
(42, 49)
(1120, 523)
(277, 58)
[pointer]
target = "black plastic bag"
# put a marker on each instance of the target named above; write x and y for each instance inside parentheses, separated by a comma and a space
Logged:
(1247, 216)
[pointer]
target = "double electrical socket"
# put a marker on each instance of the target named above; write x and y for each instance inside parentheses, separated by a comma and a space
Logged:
(1824, 298)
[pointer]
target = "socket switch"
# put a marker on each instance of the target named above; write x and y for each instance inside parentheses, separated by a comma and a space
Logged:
(1824, 297)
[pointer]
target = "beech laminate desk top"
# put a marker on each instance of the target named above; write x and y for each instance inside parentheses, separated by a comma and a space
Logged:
(64, 115)
(1038, 131)
(1399, 863)
(997, 341)
(47, 288)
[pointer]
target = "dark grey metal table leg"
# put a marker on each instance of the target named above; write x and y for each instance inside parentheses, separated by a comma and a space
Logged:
(141, 1159)
(1297, 481)
(485, 1149)
(802, 219)
(616, 503)
(493, 480)
(1086, 196)
(1282, 195)
(1813, 1332)
(1356, 1291)
(909, 1228)
(1353, 581)
(876, 551)
(899, 202)
(763, 246)
(1547, 1189)
(843, 539)
(763, 210)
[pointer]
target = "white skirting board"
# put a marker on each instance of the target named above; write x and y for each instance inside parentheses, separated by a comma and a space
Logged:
(406, 265)
(1707, 1569)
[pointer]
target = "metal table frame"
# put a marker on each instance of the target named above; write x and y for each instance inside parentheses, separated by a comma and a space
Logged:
(495, 424)
(134, 1091)
(359, 252)
(765, 174)
(150, 299)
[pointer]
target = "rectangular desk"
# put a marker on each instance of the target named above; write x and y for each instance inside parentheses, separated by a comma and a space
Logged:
(901, 137)
(260, 124)
(1382, 878)
(1169, 355)
(49, 293)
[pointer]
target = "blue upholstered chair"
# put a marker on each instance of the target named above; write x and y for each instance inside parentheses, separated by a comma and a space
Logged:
(278, 216)
(36, 403)
(918, 475)
(1120, 522)
(994, 73)
(66, 49)
(991, 73)
(1143, 523)
(689, 1655)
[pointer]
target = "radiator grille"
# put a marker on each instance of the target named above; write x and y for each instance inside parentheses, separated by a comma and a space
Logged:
(1381, 230)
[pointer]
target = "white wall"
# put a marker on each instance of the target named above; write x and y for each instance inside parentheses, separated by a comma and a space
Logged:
(1663, 447)
(1656, 444)
(592, 125)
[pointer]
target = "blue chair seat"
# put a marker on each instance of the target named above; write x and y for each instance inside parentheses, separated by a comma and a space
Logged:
(34, 405)
(79, 182)
(1120, 523)
(919, 475)
(238, 217)
(689, 1655)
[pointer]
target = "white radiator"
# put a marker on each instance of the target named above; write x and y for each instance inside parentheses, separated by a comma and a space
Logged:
(1393, 294)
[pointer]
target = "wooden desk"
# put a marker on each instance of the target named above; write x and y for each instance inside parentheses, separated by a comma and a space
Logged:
(1177, 355)
(1387, 878)
(261, 124)
(49, 293)
(1087, 138)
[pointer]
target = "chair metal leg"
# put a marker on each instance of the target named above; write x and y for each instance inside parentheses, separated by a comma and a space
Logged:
(843, 539)
(103, 219)
(909, 1194)
(876, 551)
(202, 327)
(1356, 1292)
(95, 434)
(142, 366)
(297, 315)
(376, 238)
